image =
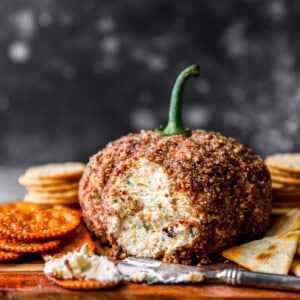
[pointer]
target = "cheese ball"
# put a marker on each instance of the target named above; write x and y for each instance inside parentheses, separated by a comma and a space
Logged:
(180, 198)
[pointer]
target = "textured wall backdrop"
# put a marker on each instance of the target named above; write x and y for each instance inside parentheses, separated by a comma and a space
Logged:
(77, 74)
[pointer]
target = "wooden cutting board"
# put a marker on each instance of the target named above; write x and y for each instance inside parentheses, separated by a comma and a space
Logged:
(25, 280)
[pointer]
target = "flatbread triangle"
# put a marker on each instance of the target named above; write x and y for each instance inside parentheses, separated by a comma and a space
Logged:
(295, 267)
(268, 255)
(290, 221)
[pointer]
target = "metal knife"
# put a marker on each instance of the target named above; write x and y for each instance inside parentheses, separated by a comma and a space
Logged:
(155, 271)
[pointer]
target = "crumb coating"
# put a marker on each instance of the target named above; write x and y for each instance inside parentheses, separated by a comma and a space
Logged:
(226, 184)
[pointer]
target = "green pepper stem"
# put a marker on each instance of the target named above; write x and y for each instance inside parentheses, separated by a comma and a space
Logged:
(175, 125)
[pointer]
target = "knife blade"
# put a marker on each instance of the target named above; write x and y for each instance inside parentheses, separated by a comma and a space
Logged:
(155, 271)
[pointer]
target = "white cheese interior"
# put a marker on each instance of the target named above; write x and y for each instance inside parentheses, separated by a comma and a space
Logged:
(145, 218)
(82, 264)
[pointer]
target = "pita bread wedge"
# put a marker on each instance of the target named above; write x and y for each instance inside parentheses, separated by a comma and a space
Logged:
(298, 249)
(269, 255)
(295, 267)
(290, 221)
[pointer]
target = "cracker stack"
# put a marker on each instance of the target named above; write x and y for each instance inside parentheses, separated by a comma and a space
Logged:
(285, 175)
(29, 228)
(55, 183)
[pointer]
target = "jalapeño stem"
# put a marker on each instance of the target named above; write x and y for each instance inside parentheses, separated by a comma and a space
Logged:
(174, 125)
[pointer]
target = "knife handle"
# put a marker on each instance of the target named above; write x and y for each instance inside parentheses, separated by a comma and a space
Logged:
(234, 276)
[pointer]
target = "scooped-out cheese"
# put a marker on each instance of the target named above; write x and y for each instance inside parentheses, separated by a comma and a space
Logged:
(146, 219)
(82, 263)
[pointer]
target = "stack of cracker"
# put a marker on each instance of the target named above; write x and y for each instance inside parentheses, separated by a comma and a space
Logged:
(285, 174)
(55, 183)
(29, 228)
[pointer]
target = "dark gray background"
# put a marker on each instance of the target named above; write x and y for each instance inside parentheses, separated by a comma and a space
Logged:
(76, 74)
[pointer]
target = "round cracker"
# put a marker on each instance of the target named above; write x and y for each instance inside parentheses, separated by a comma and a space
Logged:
(71, 242)
(279, 210)
(44, 224)
(286, 189)
(55, 195)
(9, 255)
(43, 201)
(42, 182)
(286, 198)
(19, 205)
(282, 173)
(61, 207)
(53, 188)
(278, 186)
(286, 192)
(287, 180)
(83, 284)
(56, 170)
(30, 246)
(284, 161)
(284, 186)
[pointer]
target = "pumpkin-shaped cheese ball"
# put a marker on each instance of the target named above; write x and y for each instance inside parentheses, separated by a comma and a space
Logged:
(174, 194)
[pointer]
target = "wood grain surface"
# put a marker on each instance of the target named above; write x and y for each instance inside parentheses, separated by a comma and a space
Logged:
(25, 280)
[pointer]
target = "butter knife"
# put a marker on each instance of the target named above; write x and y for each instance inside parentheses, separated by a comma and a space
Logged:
(155, 271)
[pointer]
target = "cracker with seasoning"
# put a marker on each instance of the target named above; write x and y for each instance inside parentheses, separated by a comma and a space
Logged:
(82, 269)
(28, 227)
(44, 224)
(18, 205)
(27, 246)
(9, 255)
